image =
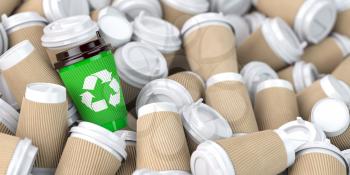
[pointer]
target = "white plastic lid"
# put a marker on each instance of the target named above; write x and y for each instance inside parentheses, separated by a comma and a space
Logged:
(282, 40)
(102, 137)
(157, 32)
(115, 29)
(15, 54)
(256, 72)
(343, 42)
(211, 159)
(73, 115)
(192, 7)
(6, 93)
(203, 20)
(274, 83)
(241, 27)
(296, 133)
(156, 107)
(132, 8)
(4, 43)
(332, 116)
(23, 158)
(334, 88)
(304, 74)
(150, 172)
(109, 11)
(342, 5)
(324, 147)
(99, 4)
(164, 90)
(43, 171)
(204, 123)
(67, 31)
(20, 19)
(45, 93)
(315, 20)
(346, 154)
(139, 63)
(229, 76)
(255, 20)
(126, 135)
(238, 7)
(57, 9)
(8, 116)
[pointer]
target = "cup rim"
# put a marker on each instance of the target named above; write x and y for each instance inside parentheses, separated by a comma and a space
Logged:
(16, 54)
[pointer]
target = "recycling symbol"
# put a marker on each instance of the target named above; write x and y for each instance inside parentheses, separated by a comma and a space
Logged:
(90, 82)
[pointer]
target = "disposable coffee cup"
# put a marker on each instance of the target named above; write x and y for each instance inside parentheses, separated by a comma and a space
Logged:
(203, 123)
(108, 21)
(26, 26)
(110, 11)
(133, 8)
(21, 65)
(233, 155)
(311, 20)
(31, 6)
(328, 54)
(336, 127)
(132, 122)
(161, 142)
(319, 158)
(138, 64)
(99, 4)
(88, 139)
(178, 12)
(158, 33)
(239, 7)
(227, 94)
(255, 20)
(341, 71)
(8, 6)
(192, 82)
(67, 33)
(8, 118)
(6, 93)
(341, 25)
(129, 165)
(273, 43)
(93, 84)
(164, 90)
(58, 9)
(17, 155)
(4, 43)
(301, 75)
(240, 26)
(43, 119)
(209, 43)
(328, 86)
(275, 104)
(254, 73)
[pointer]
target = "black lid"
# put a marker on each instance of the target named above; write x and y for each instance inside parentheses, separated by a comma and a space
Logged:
(80, 53)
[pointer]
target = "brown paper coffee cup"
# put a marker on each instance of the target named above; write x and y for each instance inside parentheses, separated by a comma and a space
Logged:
(326, 56)
(17, 156)
(255, 48)
(227, 94)
(4, 129)
(211, 49)
(25, 67)
(94, 15)
(129, 166)
(7, 6)
(315, 163)
(44, 123)
(342, 25)
(267, 147)
(33, 34)
(342, 141)
(30, 6)
(161, 143)
(285, 9)
(342, 72)
(308, 98)
(192, 82)
(287, 74)
(130, 94)
(275, 104)
(82, 157)
(175, 16)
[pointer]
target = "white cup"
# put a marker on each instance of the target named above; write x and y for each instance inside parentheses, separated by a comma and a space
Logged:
(132, 8)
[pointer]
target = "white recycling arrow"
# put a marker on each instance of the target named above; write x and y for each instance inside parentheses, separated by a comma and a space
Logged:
(90, 84)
